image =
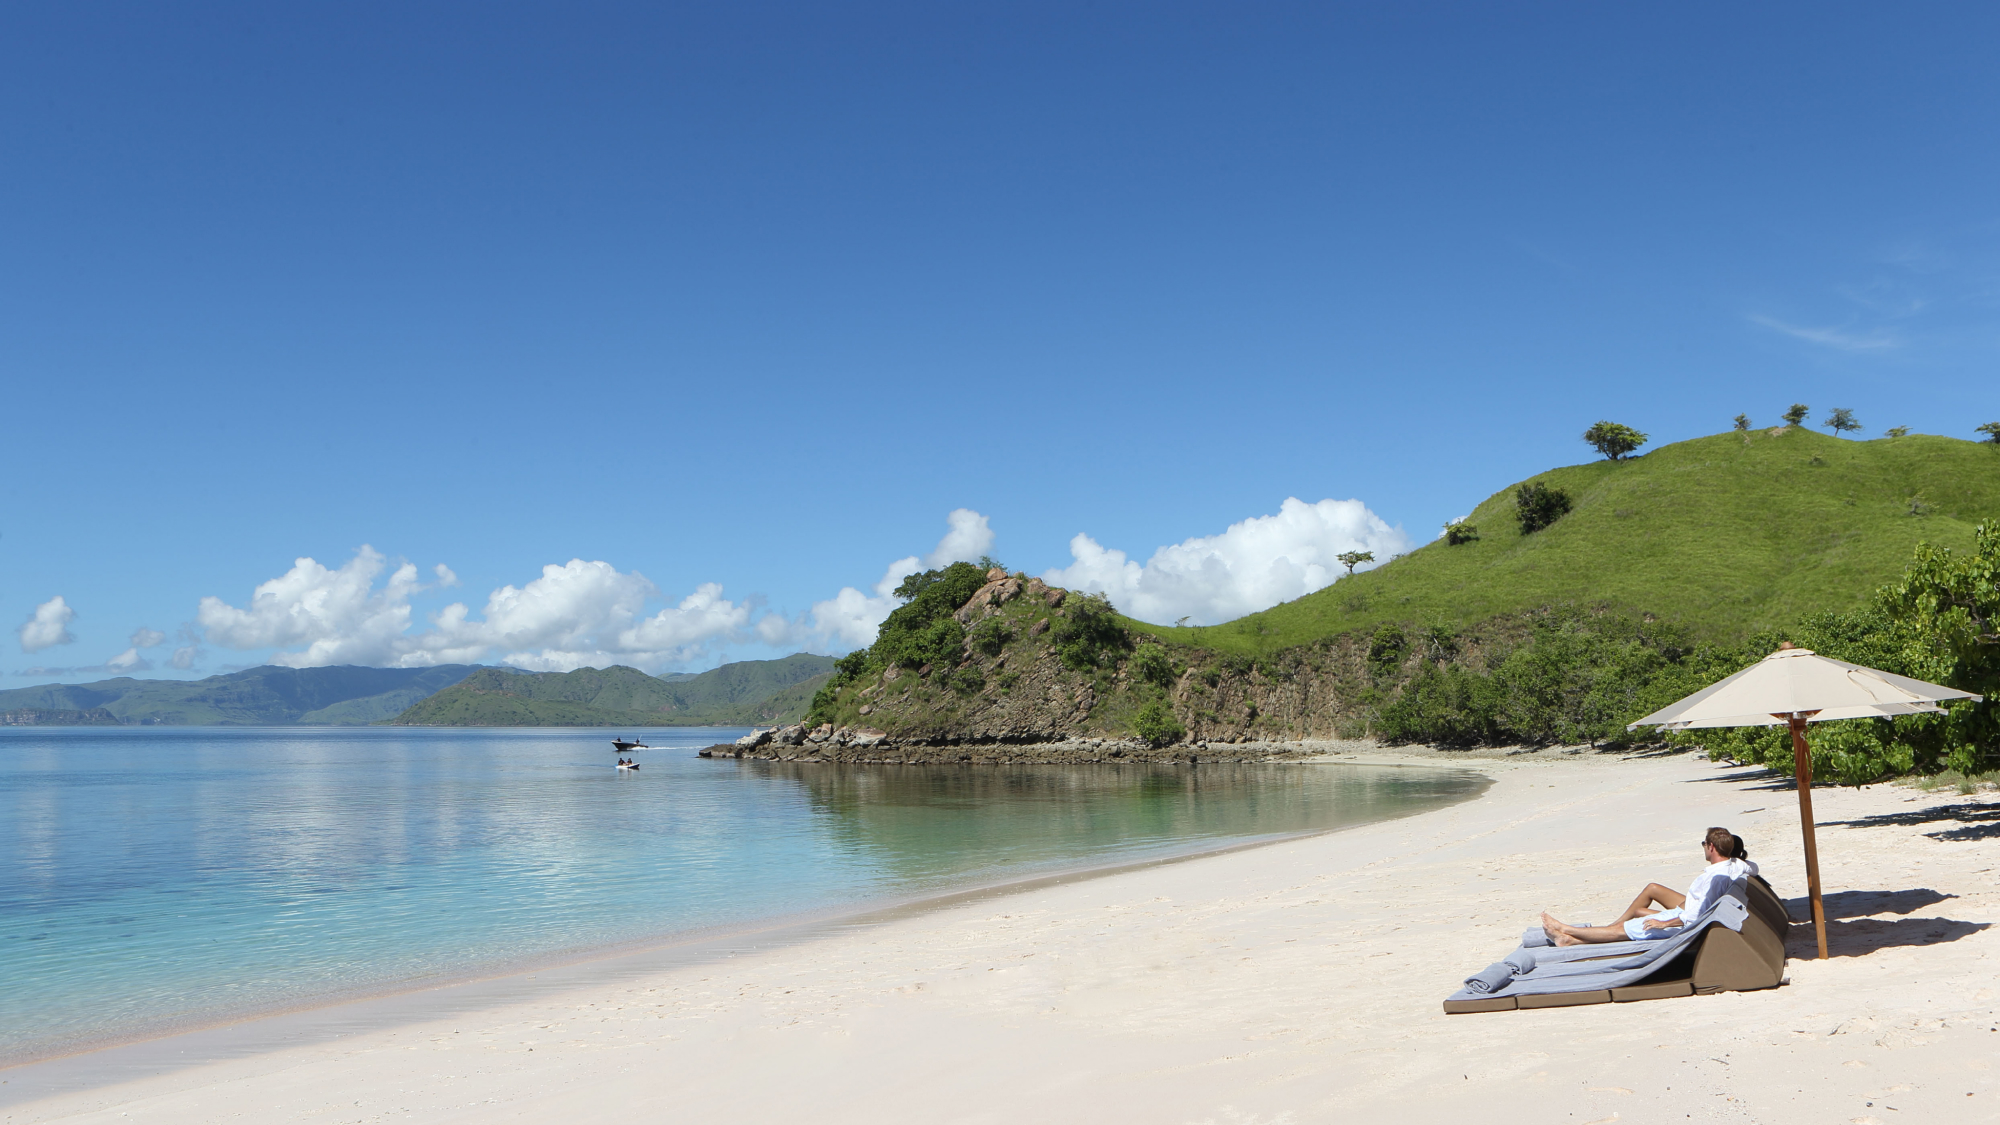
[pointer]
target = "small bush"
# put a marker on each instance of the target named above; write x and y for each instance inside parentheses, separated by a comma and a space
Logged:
(1089, 635)
(1537, 506)
(1152, 665)
(1156, 723)
(1460, 532)
(990, 636)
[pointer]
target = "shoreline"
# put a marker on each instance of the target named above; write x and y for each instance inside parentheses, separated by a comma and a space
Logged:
(1291, 981)
(506, 982)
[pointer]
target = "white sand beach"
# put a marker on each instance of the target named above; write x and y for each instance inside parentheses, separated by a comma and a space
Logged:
(1299, 982)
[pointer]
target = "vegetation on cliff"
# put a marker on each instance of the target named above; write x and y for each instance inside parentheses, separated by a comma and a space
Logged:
(1662, 574)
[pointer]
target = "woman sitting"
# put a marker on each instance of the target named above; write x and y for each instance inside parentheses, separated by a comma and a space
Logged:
(1727, 859)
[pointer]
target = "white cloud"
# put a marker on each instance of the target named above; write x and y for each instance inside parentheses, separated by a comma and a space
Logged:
(1253, 565)
(576, 614)
(1830, 337)
(850, 619)
(143, 637)
(128, 661)
(184, 657)
(48, 626)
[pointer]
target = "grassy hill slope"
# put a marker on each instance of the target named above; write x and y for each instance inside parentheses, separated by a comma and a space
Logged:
(743, 693)
(1726, 535)
(267, 696)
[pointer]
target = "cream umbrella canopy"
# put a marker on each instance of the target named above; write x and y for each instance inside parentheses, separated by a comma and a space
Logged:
(1793, 687)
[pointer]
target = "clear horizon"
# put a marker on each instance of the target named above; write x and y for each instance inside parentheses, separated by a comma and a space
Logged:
(674, 338)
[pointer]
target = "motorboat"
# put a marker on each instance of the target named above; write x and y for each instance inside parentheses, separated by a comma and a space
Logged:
(622, 746)
(628, 765)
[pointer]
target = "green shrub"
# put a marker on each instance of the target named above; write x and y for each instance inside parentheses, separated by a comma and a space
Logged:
(1386, 651)
(1459, 532)
(990, 636)
(1088, 634)
(1156, 723)
(1151, 664)
(1536, 506)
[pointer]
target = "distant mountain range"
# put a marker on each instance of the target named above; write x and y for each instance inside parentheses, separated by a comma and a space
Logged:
(741, 694)
(269, 696)
(744, 693)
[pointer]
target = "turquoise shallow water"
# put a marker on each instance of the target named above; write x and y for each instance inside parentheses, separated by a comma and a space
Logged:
(159, 877)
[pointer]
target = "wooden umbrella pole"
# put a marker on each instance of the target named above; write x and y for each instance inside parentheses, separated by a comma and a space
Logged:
(1802, 762)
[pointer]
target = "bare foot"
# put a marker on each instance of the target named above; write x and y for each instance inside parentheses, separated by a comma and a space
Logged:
(1566, 940)
(1552, 927)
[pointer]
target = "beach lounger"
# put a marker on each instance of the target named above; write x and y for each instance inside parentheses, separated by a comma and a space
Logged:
(1736, 945)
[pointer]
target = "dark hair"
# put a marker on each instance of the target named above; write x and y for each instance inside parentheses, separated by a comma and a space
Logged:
(1741, 852)
(1724, 842)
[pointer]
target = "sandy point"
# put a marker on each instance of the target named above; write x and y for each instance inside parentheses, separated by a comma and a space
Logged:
(1299, 982)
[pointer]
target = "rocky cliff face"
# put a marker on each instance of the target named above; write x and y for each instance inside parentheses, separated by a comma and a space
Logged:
(1013, 688)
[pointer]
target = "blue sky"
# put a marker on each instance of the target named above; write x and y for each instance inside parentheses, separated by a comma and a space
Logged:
(758, 297)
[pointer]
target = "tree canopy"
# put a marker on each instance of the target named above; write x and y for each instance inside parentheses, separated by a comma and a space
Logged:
(1841, 420)
(1796, 416)
(1613, 440)
(1350, 559)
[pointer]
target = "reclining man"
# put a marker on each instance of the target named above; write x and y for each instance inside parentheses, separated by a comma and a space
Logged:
(1727, 859)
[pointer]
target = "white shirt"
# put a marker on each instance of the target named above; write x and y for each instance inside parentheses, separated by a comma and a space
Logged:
(1698, 891)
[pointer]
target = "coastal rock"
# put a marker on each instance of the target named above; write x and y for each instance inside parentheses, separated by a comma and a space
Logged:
(754, 738)
(867, 736)
(791, 735)
(821, 733)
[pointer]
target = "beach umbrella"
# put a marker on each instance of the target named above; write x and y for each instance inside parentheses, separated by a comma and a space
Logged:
(1793, 687)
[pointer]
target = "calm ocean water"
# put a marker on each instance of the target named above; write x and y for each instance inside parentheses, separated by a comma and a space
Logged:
(160, 877)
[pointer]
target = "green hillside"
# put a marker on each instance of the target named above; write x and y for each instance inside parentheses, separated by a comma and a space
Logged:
(267, 696)
(1725, 535)
(740, 694)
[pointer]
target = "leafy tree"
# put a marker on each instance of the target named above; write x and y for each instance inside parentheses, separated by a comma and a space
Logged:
(1350, 558)
(1796, 416)
(1743, 421)
(1458, 531)
(1152, 665)
(1896, 431)
(1156, 723)
(1537, 506)
(1991, 430)
(1088, 634)
(1613, 440)
(1841, 421)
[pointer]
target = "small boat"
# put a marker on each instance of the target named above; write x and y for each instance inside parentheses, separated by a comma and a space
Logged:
(628, 765)
(621, 745)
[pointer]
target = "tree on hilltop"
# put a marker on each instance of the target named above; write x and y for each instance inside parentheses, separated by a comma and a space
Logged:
(1351, 558)
(1841, 421)
(1613, 440)
(1896, 431)
(1991, 430)
(1796, 416)
(1742, 421)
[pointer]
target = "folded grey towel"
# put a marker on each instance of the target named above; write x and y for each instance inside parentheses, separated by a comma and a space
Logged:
(1497, 975)
(1535, 938)
(1522, 960)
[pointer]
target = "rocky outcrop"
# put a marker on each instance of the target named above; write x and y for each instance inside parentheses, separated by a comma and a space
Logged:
(847, 746)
